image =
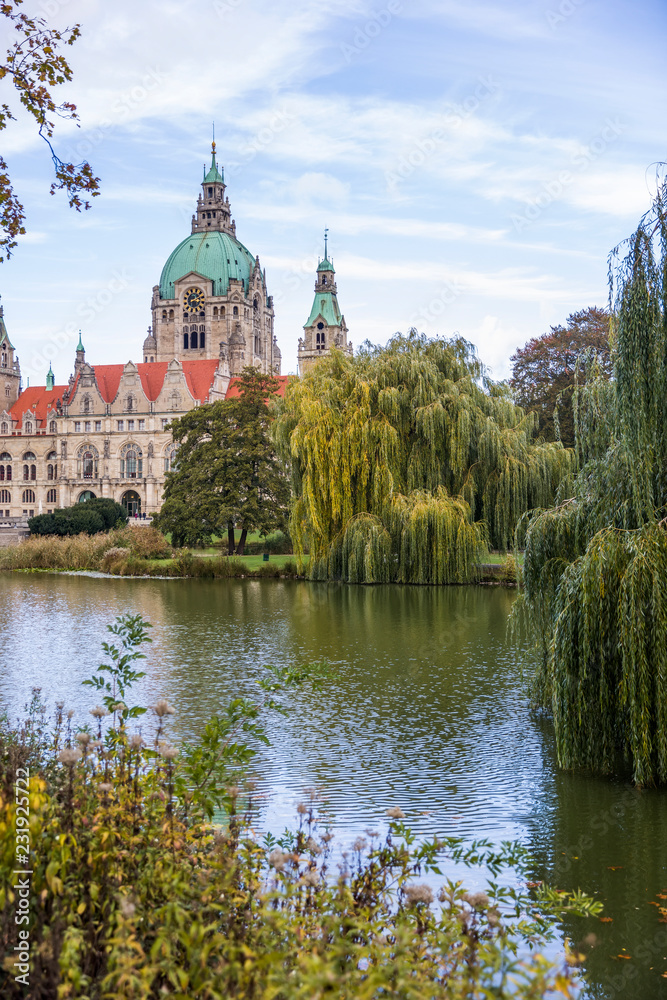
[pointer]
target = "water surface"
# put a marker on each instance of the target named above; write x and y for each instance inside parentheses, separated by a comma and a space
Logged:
(429, 712)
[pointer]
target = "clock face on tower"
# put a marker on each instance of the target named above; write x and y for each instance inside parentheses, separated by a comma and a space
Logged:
(194, 298)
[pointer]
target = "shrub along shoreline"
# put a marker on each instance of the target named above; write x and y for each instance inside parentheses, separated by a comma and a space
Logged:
(145, 552)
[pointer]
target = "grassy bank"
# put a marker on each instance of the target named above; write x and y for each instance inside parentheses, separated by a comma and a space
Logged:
(142, 551)
(136, 551)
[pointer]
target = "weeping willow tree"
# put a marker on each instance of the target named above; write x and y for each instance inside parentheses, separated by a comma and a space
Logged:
(406, 460)
(595, 569)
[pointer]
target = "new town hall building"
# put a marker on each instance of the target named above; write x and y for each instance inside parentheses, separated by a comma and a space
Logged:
(106, 433)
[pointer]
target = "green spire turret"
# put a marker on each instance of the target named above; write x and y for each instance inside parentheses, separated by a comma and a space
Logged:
(214, 176)
(50, 378)
(80, 346)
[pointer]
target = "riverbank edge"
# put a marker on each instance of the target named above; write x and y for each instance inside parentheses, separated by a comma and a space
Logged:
(491, 574)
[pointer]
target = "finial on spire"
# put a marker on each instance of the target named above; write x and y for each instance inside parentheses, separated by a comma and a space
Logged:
(213, 143)
(326, 238)
(80, 346)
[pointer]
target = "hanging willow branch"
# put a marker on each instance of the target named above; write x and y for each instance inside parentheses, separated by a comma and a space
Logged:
(406, 460)
(595, 569)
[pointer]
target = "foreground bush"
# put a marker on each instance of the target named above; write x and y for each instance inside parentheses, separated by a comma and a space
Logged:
(93, 516)
(135, 894)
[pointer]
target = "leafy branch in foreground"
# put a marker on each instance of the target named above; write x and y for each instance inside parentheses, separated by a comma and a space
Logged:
(34, 65)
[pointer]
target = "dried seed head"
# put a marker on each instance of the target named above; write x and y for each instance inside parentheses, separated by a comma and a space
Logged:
(278, 860)
(70, 714)
(60, 705)
(99, 712)
(395, 813)
(104, 786)
(302, 808)
(120, 706)
(167, 751)
(310, 879)
(136, 741)
(83, 738)
(327, 837)
(127, 907)
(69, 756)
(477, 900)
(359, 845)
(313, 846)
(418, 894)
(162, 708)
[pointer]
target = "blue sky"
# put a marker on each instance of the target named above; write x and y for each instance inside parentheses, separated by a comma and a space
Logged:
(474, 162)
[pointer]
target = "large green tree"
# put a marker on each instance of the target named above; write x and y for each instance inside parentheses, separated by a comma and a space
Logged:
(405, 459)
(545, 370)
(227, 475)
(34, 64)
(596, 564)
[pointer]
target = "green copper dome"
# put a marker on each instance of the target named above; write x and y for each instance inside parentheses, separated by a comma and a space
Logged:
(325, 265)
(214, 255)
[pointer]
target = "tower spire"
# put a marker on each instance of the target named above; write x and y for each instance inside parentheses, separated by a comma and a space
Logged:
(50, 378)
(326, 240)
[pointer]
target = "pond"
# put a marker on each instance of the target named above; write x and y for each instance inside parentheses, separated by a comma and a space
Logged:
(428, 712)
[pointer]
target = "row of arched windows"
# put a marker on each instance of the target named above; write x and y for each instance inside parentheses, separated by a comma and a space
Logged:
(193, 338)
(4, 427)
(87, 463)
(28, 496)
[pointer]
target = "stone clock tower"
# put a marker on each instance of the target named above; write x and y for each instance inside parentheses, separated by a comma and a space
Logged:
(212, 301)
(326, 326)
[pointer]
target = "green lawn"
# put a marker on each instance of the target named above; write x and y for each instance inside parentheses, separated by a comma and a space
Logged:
(496, 558)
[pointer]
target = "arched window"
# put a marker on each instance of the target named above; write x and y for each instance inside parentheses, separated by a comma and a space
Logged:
(215, 312)
(86, 464)
(28, 427)
(186, 339)
(236, 310)
(5, 496)
(52, 496)
(6, 472)
(33, 472)
(28, 496)
(26, 473)
(202, 337)
(170, 457)
(131, 462)
(8, 390)
(53, 427)
(324, 279)
(4, 429)
(320, 341)
(52, 468)
(29, 456)
(222, 310)
(171, 314)
(164, 314)
(193, 338)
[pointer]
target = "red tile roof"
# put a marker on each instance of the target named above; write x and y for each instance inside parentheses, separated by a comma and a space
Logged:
(38, 399)
(233, 387)
(199, 376)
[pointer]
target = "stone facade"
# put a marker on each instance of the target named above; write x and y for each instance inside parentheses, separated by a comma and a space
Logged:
(106, 433)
